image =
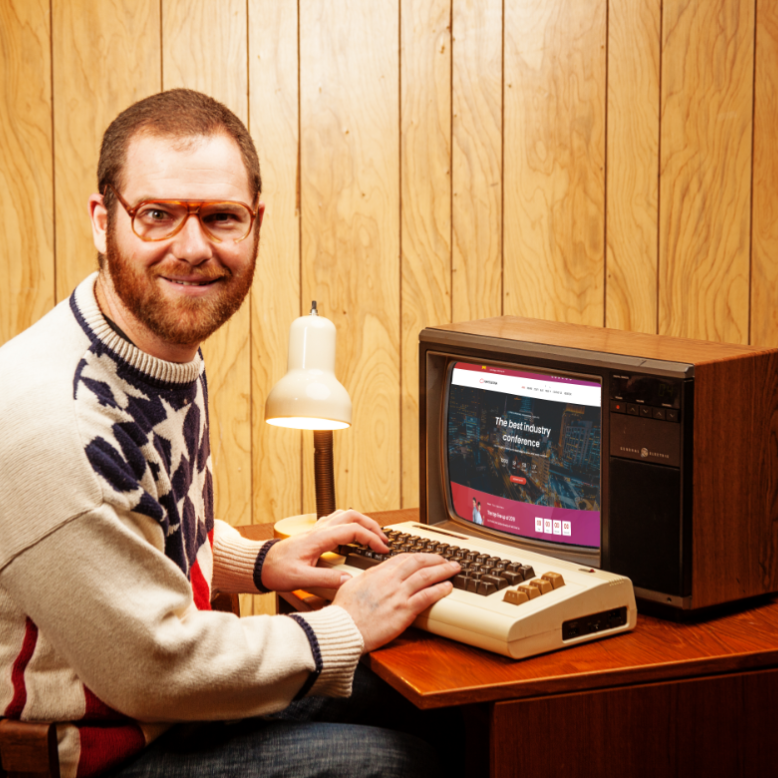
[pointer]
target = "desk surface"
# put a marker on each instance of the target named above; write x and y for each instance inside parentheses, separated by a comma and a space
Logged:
(435, 672)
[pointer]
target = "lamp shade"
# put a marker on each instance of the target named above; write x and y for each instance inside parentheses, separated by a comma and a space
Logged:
(309, 396)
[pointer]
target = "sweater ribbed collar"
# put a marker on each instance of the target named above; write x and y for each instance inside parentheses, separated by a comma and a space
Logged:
(157, 369)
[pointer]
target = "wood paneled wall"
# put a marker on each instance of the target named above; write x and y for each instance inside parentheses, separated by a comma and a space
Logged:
(609, 162)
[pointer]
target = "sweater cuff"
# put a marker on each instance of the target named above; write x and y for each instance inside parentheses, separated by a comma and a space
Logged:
(337, 645)
(235, 561)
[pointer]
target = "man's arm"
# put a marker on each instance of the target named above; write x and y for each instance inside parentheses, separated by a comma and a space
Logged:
(112, 606)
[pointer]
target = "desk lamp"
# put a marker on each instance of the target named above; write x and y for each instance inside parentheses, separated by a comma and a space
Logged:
(309, 397)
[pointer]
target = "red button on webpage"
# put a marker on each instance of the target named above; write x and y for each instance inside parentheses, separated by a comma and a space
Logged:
(517, 479)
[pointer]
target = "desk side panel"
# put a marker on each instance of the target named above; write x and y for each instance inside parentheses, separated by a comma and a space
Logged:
(735, 535)
(705, 727)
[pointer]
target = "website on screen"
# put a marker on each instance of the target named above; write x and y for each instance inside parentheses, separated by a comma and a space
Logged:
(524, 452)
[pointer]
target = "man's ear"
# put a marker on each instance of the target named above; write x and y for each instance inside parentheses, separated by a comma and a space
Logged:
(98, 215)
(260, 213)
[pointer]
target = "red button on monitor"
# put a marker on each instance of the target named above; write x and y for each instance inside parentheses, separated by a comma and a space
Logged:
(517, 479)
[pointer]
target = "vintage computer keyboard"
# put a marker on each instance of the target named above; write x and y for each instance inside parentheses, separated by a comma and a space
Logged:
(510, 601)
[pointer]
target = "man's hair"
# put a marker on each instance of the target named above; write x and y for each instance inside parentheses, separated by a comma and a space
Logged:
(178, 114)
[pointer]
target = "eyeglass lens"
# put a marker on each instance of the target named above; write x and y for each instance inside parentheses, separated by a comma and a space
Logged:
(223, 221)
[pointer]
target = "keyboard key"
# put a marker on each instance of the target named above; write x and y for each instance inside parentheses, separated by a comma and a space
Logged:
(515, 597)
(531, 591)
(544, 586)
(486, 587)
(361, 562)
(499, 582)
(460, 581)
(555, 579)
(512, 576)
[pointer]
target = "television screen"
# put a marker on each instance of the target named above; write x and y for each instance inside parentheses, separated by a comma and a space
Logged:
(523, 452)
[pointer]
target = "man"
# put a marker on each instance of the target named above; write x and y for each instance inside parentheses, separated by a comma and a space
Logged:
(110, 552)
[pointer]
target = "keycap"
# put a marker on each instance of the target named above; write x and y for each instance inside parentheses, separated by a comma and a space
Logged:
(497, 580)
(531, 591)
(515, 597)
(486, 587)
(555, 579)
(362, 562)
(542, 584)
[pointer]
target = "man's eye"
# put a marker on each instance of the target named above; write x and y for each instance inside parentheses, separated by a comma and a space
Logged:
(154, 214)
(220, 218)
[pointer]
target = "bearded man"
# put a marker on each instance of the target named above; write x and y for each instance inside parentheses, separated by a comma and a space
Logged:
(110, 550)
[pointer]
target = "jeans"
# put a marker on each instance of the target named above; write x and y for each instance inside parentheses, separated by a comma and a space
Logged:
(375, 732)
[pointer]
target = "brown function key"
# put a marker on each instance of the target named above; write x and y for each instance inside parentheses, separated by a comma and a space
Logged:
(531, 591)
(544, 586)
(515, 597)
(555, 579)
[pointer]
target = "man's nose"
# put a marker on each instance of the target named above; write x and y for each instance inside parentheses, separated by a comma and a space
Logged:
(191, 244)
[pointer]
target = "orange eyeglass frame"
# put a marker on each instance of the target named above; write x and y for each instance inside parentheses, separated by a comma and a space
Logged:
(193, 207)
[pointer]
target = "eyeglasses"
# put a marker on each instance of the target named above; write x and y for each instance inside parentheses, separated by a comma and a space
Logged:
(161, 219)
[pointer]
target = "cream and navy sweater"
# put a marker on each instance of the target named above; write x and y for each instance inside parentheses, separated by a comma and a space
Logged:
(109, 553)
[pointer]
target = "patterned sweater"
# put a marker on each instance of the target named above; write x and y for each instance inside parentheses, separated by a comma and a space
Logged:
(109, 553)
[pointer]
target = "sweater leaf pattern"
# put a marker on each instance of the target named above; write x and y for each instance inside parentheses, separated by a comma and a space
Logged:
(153, 454)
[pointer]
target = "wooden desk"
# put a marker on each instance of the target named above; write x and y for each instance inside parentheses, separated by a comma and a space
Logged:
(664, 700)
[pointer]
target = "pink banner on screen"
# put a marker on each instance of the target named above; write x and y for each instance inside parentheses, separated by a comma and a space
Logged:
(540, 522)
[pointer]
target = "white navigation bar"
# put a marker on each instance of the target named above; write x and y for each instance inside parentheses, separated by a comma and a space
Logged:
(555, 391)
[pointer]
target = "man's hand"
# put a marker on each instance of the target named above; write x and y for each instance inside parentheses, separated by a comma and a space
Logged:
(291, 563)
(385, 599)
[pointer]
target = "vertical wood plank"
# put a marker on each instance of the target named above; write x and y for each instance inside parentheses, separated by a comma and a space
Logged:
(633, 165)
(476, 211)
(106, 57)
(349, 96)
(554, 159)
(764, 259)
(26, 166)
(216, 31)
(426, 202)
(273, 71)
(705, 187)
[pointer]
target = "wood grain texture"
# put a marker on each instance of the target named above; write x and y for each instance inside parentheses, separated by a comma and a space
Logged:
(426, 202)
(106, 57)
(705, 184)
(632, 165)
(554, 159)
(702, 727)
(697, 352)
(216, 30)
(349, 95)
(476, 160)
(26, 166)
(735, 527)
(273, 120)
(764, 257)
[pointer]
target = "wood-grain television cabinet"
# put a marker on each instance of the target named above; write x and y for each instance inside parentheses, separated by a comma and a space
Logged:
(689, 500)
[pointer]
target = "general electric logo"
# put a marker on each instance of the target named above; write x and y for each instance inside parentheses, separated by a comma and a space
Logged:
(644, 452)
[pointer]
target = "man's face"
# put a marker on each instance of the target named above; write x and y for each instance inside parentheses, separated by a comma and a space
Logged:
(184, 288)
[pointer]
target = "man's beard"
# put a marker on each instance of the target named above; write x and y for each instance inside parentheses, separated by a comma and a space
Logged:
(189, 320)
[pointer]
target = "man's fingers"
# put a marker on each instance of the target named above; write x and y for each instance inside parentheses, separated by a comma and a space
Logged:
(429, 595)
(329, 538)
(428, 568)
(353, 517)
